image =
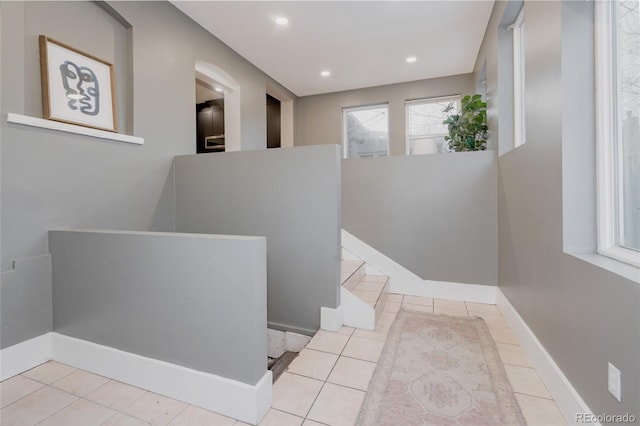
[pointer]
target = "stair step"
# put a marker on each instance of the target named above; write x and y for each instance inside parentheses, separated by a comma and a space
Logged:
(372, 290)
(351, 273)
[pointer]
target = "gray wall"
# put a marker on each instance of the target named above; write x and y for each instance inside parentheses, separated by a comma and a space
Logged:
(289, 195)
(52, 179)
(319, 117)
(584, 314)
(433, 214)
(190, 300)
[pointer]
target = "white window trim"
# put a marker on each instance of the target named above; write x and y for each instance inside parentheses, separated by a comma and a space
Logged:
(454, 98)
(519, 126)
(609, 213)
(345, 110)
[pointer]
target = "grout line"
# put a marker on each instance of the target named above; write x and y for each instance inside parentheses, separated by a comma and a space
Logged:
(62, 408)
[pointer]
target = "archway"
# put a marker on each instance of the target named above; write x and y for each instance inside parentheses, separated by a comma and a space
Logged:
(217, 77)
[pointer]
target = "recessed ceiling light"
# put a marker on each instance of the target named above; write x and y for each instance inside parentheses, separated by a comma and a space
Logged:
(411, 59)
(219, 89)
(325, 73)
(282, 21)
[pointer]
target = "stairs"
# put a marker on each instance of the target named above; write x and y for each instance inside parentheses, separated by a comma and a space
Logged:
(363, 296)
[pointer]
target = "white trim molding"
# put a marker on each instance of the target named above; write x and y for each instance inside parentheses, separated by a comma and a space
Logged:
(403, 281)
(569, 401)
(248, 403)
(225, 396)
(331, 319)
(25, 355)
(72, 128)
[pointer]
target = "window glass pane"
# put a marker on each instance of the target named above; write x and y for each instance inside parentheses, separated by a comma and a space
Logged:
(425, 131)
(628, 94)
(367, 131)
(426, 118)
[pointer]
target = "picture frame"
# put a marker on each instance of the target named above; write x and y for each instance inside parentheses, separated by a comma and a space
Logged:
(77, 88)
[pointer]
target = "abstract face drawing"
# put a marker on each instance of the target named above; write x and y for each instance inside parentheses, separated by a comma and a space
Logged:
(82, 88)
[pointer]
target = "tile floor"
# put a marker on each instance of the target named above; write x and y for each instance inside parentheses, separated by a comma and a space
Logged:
(325, 385)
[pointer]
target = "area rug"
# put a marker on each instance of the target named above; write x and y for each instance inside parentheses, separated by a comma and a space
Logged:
(439, 370)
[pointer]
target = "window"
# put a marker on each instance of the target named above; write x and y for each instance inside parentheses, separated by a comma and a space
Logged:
(366, 131)
(618, 111)
(518, 80)
(425, 131)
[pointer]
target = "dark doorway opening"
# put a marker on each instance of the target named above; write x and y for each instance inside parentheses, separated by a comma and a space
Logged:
(273, 122)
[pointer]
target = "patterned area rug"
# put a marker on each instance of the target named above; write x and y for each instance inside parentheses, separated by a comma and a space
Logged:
(439, 370)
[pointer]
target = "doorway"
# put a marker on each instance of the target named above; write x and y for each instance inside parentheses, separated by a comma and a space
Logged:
(209, 117)
(273, 122)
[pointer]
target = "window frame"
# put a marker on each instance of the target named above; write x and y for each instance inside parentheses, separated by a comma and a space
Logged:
(519, 123)
(456, 98)
(610, 217)
(345, 139)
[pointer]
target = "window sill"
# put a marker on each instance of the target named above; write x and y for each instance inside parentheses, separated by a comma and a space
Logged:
(614, 266)
(72, 128)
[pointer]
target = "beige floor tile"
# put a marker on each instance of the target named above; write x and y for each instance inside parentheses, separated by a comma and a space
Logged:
(449, 304)
(280, 418)
(308, 422)
(353, 373)
(387, 318)
(482, 307)
(116, 395)
(15, 388)
(124, 420)
(513, 354)
(155, 409)
(80, 382)
(419, 308)
(526, 380)
(395, 298)
(365, 349)
(417, 300)
(314, 364)
(451, 312)
(375, 278)
(49, 372)
(366, 295)
(503, 335)
(196, 416)
(364, 285)
(540, 411)
(36, 407)
(492, 320)
(337, 405)
(391, 307)
(380, 333)
(327, 341)
(295, 394)
(80, 412)
(346, 330)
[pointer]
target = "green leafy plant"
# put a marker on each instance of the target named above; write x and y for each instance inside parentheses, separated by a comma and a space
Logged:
(467, 128)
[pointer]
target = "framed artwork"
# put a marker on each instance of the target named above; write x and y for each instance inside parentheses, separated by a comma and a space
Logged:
(77, 88)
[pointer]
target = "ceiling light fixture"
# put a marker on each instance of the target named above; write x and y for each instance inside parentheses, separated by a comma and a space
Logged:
(219, 89)
(282, 21)
(325, 73)
(411, 59)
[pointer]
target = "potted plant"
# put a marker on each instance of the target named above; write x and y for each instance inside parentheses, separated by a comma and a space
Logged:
(467, 128)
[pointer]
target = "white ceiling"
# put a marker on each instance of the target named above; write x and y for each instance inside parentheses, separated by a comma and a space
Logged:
(362, 43)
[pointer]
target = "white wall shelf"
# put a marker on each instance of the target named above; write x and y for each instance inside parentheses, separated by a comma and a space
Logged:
(72, 128)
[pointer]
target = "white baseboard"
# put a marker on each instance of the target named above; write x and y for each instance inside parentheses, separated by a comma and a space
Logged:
(331, 319)
(445, 290)
(25, 355)
(225, 396)
(566, 397)
(403, 281)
